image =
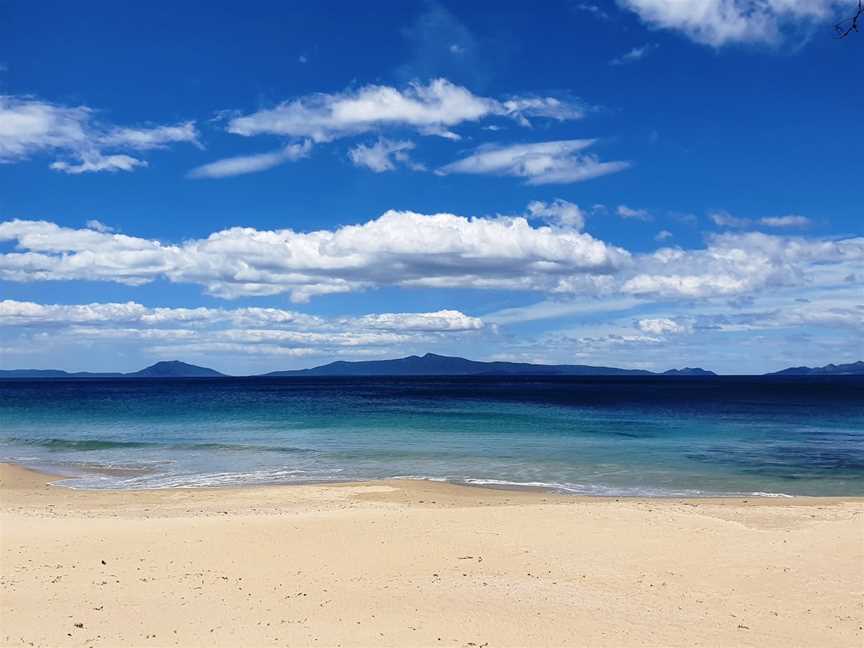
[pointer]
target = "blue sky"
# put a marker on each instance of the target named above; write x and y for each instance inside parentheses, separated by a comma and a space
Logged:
(640, 183)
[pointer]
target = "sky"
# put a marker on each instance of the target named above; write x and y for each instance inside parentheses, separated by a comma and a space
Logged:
(274, 185)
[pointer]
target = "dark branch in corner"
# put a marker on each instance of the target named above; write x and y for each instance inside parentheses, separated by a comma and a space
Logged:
(847, 26)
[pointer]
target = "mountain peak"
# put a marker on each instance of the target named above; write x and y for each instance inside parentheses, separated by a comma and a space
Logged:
(689, 371)
(175, 369)
(850, 369)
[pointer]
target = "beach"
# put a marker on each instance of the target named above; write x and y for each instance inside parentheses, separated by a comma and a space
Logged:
(420, 563)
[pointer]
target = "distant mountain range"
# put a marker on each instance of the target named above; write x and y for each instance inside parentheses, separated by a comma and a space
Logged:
(851, 369)
(438, 365)
(427, 365)
(166, 369)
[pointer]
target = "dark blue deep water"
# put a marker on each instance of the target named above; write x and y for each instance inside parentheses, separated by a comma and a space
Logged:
(615, 436)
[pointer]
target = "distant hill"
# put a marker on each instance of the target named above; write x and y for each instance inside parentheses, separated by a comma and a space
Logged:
(167, 369)
(175, 369)
(689, 371)
(851, 369)
(438, 365)
(53, 373)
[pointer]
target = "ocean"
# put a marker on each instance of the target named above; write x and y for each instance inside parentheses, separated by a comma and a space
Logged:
(617, 436)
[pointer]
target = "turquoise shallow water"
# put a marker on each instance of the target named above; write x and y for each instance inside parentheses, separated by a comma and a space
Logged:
(605, 436)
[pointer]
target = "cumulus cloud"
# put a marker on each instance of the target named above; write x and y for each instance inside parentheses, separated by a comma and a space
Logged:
(408, 249)
(29, 126)
(558, 212)
(633, 55)
(384, 155)
(398, 248)
(439, 321)
(243, 164)
(431, 109)
(721, 22)
(741, 264)
(555, 162)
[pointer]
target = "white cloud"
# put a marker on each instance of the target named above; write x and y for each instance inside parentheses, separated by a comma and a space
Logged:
(725, 219)
(143, 139)
(558, 212)
(555, 162)
(636, 214)
(431, 109)
(232, 331)
(29, 126)
(786, 221)
(743, 264)
(398, 248)
(663, 235)
(635, 54)
(383, 155)
(433, 251)
(99, 226)
(721, 22)
(94, 162)
(662, 326)
(440, 321)
(243, 164)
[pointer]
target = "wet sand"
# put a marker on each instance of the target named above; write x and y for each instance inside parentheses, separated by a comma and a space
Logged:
(407, 563)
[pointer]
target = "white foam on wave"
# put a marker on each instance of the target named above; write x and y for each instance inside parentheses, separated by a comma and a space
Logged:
(599, 490)
(195, 480)
(153, 481)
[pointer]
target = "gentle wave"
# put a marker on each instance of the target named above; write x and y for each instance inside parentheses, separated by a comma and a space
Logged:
(84, 445)
(76, 444)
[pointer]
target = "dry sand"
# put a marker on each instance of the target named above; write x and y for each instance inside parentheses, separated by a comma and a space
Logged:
(404, 563)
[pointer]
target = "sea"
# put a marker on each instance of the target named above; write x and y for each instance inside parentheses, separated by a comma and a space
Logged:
(606, 436)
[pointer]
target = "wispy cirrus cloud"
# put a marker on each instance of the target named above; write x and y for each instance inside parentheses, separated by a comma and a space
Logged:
(635, 54)
(725, 219)
(555, 162)
(791, 220)
(635, 214)
(244, 164)
(431, 109)
(84, 144)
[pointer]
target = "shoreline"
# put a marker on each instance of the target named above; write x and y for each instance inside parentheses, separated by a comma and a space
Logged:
(483, 484)
(413, 563)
